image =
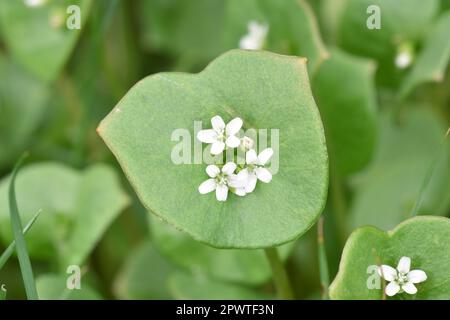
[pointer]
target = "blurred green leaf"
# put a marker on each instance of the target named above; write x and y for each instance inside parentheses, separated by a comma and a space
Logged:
(100, 199)
(144, 275)
(423, 239)
(345, 93)
(403, 23)
(138, 132)
(385, 195)
(198, 287)
(401, 20)
(433, 59)
(292, 27)
(20, 114)
(187, 28)
(37, 37)
(243, 266)
(76, 207)
(11, 248)
(199, 30)
(54, 287)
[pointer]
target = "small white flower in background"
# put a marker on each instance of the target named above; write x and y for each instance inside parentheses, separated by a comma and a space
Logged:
(405, 55)
(403, 60)
(401, 279)
(222, 180)
(34, 3)
(256, 36)
(255, 168)
(221, 135)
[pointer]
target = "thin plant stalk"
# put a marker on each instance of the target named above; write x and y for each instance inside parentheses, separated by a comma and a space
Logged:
(323, 262)
(280, 276)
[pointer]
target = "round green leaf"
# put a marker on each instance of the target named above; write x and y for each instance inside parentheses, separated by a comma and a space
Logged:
(267, 91)
(77, 207)
(234, 265)
(37, 37)
(426, 240)
(198, 287)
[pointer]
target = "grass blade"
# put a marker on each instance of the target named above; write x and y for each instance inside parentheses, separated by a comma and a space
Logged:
(16, 224)
(9, 251)
(323, 263)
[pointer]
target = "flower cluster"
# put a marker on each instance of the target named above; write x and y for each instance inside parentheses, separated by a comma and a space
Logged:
(239, 179)
(401, 279)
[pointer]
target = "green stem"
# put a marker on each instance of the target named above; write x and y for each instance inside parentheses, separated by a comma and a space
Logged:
(280, 277)
(339, 204)
(323, 263)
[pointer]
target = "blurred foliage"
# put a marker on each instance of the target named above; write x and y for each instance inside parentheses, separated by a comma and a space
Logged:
(385, 127)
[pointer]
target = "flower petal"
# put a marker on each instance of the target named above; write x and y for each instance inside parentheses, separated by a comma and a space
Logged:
(392, 289)
(404, 264)
(265, 156)
(410, 288)
(217, 147)
(221, 192)
(229, 168)
(207, 186)
(212, 170)
(387, 272)
(234, 126)
(233, 142)
(263, 174)
(251, 182)
(417, 276)
(251, 157)
(238, 180)
(217, 123)
(207, 136)
(240, 192)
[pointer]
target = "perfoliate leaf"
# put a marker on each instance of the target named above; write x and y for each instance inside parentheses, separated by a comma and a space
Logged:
(426, 240)
(267, 91)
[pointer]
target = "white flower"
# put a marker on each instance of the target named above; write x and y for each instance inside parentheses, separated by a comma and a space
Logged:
(403, 60)
(221, 135)
(34, 3)
(222, 180)
(401, 279)
(255, 168)
(254, 39)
